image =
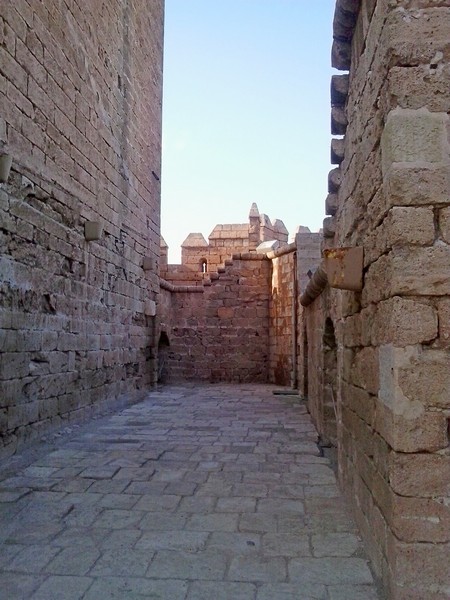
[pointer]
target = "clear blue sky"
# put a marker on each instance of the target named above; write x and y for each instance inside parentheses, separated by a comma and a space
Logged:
(246, 113)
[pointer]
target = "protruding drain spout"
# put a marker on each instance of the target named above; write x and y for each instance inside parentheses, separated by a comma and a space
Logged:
(315, 287)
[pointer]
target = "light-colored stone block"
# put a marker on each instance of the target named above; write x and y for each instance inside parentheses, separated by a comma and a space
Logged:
(420, 475)
(405, 433)
(413, 184)
(391, 360)
(414, 136)
(421, 271)
(404, 322)
(425, 378)
(150, 308)
(410, 225)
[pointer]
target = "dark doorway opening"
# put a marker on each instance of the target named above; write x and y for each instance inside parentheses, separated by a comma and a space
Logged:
(163, 351)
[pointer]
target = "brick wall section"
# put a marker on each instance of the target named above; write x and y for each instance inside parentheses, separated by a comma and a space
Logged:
(391, 195)
(220, 333)
(80, 91)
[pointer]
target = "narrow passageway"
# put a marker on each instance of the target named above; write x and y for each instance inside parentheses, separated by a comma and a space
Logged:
(213, 492)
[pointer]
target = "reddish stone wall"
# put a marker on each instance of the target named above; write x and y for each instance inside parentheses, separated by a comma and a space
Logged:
(283, 305)
(220, 332)
(181, 275)
(80, 89)
(390, 194)
(201, 256)
(223, 242)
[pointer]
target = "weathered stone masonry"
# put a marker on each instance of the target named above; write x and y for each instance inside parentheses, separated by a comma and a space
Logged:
(390, 194)
(80, 89)
(220, 331)
(231, 320)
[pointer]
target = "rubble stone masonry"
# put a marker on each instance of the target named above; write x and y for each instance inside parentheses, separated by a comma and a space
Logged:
(80, 114)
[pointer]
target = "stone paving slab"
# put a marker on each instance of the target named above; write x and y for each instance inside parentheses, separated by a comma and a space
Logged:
(208, 492)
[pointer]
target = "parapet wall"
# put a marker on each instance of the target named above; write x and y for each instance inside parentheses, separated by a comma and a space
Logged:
(201, 256)
(80, 89)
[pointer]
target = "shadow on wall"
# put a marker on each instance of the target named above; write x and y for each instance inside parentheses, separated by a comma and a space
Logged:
(330, 379)
(163, 350)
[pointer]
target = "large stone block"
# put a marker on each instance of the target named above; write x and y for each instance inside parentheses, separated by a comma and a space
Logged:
(334, 180)
(415, 184)
(338, 121)
(420, 475)
(425, 378)
(404, 322)
(421, 271)
(382, 452)
(419, 570)
(421, 86)
(382, 493)
(410, 225)
(331, 204)
(413, 37)
(420, 519)
(414, 136)
(14, 364)
(359, 184)
(402, 226)
(426, 432)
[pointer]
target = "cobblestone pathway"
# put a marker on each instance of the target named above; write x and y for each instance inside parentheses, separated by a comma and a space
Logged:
(198, 493)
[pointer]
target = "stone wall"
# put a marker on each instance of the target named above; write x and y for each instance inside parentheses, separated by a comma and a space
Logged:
(390, 195)
(80, 88)
(283, 320)
(220, 331)
(200, 256)
(309, 257)
(246, 313)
